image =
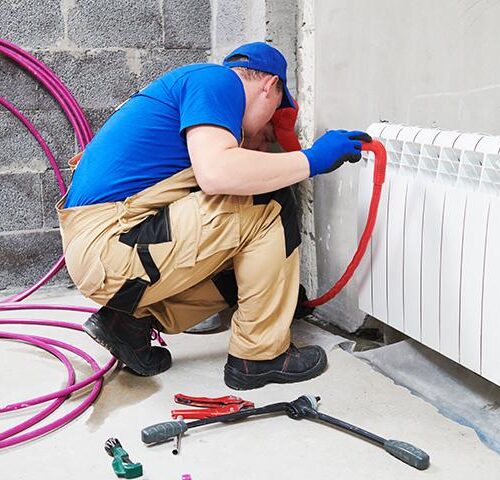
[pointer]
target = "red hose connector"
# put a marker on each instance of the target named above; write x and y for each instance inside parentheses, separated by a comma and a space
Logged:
(378, 180)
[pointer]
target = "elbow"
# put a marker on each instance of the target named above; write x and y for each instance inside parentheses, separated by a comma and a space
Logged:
(213, 175)
(209, 183)
(209, 190)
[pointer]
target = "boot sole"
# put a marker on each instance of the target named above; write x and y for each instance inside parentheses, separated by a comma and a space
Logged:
(120, 350)
(238, 380)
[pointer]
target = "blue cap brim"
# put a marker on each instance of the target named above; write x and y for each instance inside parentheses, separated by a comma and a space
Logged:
(287, 100)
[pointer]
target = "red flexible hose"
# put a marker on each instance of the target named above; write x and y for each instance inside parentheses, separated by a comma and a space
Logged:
(378, 180)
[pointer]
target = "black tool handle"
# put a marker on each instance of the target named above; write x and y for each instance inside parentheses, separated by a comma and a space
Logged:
(408, 453)
(349, 428)
(161, 432)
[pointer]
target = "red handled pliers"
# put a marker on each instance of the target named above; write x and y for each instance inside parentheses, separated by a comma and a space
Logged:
(211, 407)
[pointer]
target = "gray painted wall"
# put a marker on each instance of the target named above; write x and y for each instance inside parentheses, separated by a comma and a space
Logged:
(103, 50)
(421, 63)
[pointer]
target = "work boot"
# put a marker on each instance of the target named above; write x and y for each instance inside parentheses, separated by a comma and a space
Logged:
(129, 340)
(294, 365)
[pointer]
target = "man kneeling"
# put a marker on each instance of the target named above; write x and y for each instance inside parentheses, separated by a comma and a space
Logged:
(169, 219)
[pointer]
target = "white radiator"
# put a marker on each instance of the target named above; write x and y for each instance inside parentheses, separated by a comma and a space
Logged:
(432, 269)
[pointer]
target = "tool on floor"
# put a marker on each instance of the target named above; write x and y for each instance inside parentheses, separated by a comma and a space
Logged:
(303, 407)
(176, 449)
(122, 465)
(210, 407)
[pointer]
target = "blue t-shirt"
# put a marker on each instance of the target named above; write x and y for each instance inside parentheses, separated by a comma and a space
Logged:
(144, 141)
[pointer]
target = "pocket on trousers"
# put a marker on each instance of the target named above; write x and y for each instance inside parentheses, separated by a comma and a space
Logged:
(92, 280)
(221, 233)
(186, 231)
(220, 225)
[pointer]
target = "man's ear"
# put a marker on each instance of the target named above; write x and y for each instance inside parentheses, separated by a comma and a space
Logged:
(270, 84)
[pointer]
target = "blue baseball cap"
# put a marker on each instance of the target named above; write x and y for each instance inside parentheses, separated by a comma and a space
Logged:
(261, 56)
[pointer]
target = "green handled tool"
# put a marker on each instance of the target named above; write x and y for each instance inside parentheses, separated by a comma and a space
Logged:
(122, 465)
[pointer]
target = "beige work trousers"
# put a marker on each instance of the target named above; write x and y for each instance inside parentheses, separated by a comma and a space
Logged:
(176, 253)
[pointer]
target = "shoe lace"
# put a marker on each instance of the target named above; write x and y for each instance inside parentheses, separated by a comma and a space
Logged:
(155, 335)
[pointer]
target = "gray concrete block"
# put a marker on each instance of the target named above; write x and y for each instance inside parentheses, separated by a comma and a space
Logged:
(27, 256)
(32, 24)
(56, 130)
(97, 117)
(115, 23)
(187, 23)
(17, 86)
(281, 32)
(229, 32)
(20, 202)
(50, 196)
(281, 27)
(22, 89)
(97, 79)
(155, 63)
(20, 152)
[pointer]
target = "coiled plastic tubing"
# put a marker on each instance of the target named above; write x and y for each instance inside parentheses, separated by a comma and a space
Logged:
(29, 429)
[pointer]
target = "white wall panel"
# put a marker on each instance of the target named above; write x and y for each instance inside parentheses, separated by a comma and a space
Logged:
(451, 261)
(431, 264)
(379, 258)
(488, 145)
(415, 197)
(395, 257)
(471, 287)
(490, 338)
(427, 136)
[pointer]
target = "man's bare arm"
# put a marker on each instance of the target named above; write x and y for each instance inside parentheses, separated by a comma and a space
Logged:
(221, 167)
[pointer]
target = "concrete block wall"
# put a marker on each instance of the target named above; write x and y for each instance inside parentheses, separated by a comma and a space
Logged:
(103, 50)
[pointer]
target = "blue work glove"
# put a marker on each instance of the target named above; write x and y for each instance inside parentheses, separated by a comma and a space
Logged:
(334, 148)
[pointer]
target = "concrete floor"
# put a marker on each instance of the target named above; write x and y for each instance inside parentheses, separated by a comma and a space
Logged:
(257, 449)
